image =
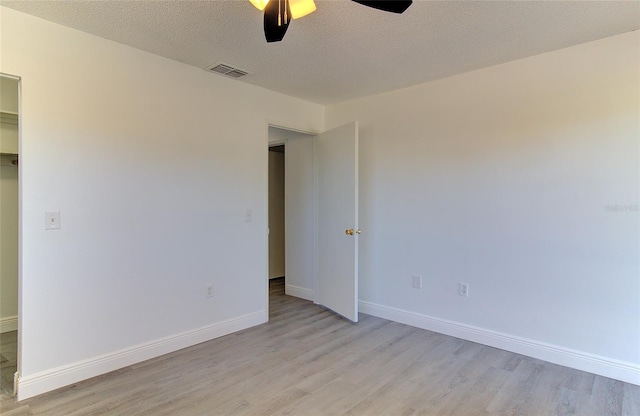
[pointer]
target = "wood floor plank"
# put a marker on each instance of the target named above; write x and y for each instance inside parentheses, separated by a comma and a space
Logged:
(631, 400)
(607, 397)
(8, 360)
(516, 397)
(308, 361)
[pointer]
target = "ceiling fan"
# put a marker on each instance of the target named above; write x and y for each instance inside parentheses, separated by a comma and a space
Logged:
(278, 13)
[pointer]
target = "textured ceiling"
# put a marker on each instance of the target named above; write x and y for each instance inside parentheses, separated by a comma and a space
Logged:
(345, 50)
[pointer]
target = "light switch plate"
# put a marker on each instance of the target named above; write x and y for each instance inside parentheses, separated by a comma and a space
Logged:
(416, 282)
(52, 220)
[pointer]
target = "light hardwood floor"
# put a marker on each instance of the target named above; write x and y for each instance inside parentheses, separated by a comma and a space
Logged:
(8, 360)
(307, 361)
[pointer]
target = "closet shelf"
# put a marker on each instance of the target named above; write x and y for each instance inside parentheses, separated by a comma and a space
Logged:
(9, 117)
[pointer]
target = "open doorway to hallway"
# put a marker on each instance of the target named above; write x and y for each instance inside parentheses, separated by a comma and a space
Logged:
(291, 212)
(277, 243)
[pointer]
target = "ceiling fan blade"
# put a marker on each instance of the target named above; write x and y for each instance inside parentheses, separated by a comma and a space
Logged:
(398, 6)
(277, 15)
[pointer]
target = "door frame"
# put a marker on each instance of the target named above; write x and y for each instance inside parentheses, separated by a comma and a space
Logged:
(287, 155)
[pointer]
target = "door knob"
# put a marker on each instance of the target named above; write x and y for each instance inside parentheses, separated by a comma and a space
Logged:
(351, 231)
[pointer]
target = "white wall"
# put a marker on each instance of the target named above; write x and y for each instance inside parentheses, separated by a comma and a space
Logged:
(276, 215)
(523, 181)
(152, 165)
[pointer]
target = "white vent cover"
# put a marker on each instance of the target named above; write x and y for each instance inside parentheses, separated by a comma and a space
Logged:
(226, 70)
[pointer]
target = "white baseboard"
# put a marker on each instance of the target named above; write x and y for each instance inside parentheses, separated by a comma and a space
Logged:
(619, 370)
(299, 292)
(10, 323)
(34, 384)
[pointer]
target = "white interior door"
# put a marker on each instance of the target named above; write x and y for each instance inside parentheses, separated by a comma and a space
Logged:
(337, 186)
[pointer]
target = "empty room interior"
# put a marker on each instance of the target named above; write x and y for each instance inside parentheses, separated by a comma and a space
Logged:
(360, 208)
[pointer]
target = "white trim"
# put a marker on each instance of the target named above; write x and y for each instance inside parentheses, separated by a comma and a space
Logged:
(316, 288)
(266, 215)
(13, 77)
(10, 323)
(16, 377)
(287, 126)
(299, 292)
(619, 370)
(32, 385)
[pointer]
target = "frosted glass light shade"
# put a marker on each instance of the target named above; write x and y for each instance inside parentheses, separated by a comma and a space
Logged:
(300, 8)
(260, 4)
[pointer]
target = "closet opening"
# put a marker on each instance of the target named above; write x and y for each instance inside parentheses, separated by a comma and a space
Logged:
(9, 231)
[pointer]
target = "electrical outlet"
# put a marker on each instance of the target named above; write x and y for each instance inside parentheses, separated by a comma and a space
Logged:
(209, 291)
(463, 289)
(416, 282)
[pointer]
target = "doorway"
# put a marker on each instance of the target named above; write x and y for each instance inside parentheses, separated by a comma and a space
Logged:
(9, 229)
(321, 216)
(294, 212)
(277, 242)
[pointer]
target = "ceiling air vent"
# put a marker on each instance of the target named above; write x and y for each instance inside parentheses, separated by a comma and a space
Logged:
(227, 71)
